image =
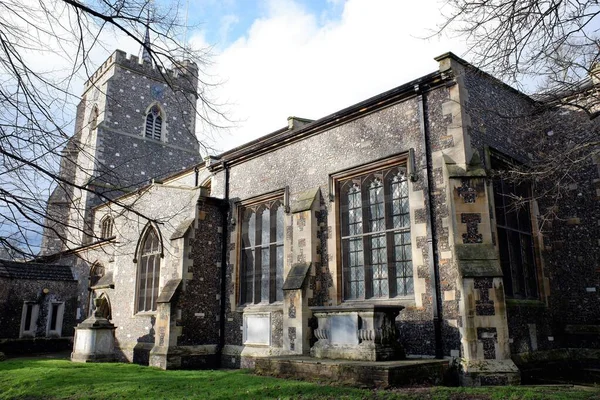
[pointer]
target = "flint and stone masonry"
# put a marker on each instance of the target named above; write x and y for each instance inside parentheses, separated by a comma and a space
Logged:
(276, 248)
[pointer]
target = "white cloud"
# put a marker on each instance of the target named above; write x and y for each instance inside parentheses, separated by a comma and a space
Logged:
(291, 62)
(227, 22)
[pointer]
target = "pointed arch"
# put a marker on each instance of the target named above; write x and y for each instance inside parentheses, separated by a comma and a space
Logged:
(105, 307)
(154, 121)
(106, 227)
(149, 251)
(149, 225)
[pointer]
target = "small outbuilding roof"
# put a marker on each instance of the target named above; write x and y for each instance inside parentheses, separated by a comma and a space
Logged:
(36, 271)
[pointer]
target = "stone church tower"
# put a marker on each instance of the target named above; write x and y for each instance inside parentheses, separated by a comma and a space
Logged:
(135, 123)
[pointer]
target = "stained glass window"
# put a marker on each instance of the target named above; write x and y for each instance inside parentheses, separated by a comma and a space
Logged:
(376, 245)
(261, 269)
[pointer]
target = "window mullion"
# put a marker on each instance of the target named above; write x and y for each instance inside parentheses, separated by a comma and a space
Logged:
(273, 254)
(389, 237)
(511, 257)
(154, 293)
(257, 259)
(256, 274)
(366, 218)
(145, 291)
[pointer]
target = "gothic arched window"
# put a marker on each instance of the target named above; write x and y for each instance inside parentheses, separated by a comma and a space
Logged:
(154, 121)
(148, 272)
(106, 226)
(375, 233)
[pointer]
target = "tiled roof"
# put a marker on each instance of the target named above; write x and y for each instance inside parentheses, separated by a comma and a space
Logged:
(21, 270)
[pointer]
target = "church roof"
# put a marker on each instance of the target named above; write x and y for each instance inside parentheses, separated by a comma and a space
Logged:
(35, 271)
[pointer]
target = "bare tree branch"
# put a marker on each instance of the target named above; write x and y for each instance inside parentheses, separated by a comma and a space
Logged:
(38, 99)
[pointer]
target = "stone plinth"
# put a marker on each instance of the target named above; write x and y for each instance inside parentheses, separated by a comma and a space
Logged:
(357, 373)
(94, 339)
(365, 333)
(489, 373)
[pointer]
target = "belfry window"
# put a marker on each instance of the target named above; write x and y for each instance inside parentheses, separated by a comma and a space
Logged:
(515, 236)
(148, 272)
(261, 258)
(375, 235)
(154, 123)
(106, 226)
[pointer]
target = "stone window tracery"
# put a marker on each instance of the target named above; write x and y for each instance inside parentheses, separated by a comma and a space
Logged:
(375, 235)
(148, 272)
(261, 258)
(106, 226)
(154, 121)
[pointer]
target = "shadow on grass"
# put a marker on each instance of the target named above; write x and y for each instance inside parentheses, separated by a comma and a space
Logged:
(60, 379)
(63, 379)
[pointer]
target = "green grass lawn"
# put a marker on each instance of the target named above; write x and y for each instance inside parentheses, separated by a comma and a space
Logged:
(61, 379)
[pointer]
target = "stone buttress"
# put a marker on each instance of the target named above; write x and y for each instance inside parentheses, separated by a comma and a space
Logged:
(305, 243)
(482, 319)
(188, 311)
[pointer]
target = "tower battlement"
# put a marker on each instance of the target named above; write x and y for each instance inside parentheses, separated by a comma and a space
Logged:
(182, 75)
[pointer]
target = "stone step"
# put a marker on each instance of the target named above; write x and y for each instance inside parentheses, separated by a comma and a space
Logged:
(408, 372)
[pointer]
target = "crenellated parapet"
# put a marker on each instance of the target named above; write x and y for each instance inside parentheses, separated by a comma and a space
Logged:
(183, 75)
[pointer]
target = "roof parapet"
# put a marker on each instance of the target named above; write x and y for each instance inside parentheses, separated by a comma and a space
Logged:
(183, 73)
(296, 122)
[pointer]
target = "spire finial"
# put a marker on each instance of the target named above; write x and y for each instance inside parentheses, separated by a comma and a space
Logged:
(145, 48)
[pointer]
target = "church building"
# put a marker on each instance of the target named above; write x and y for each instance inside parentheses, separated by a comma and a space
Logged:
(379, 232)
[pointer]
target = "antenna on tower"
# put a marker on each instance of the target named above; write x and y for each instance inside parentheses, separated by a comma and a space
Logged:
(185, 29)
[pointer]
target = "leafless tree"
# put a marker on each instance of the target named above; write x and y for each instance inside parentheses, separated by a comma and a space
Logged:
(515, 39)
(45, 45)
(551, 49)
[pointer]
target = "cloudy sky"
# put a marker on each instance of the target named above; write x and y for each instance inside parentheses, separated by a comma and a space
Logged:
(275, 59)
(309, 58)
(272, 58)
